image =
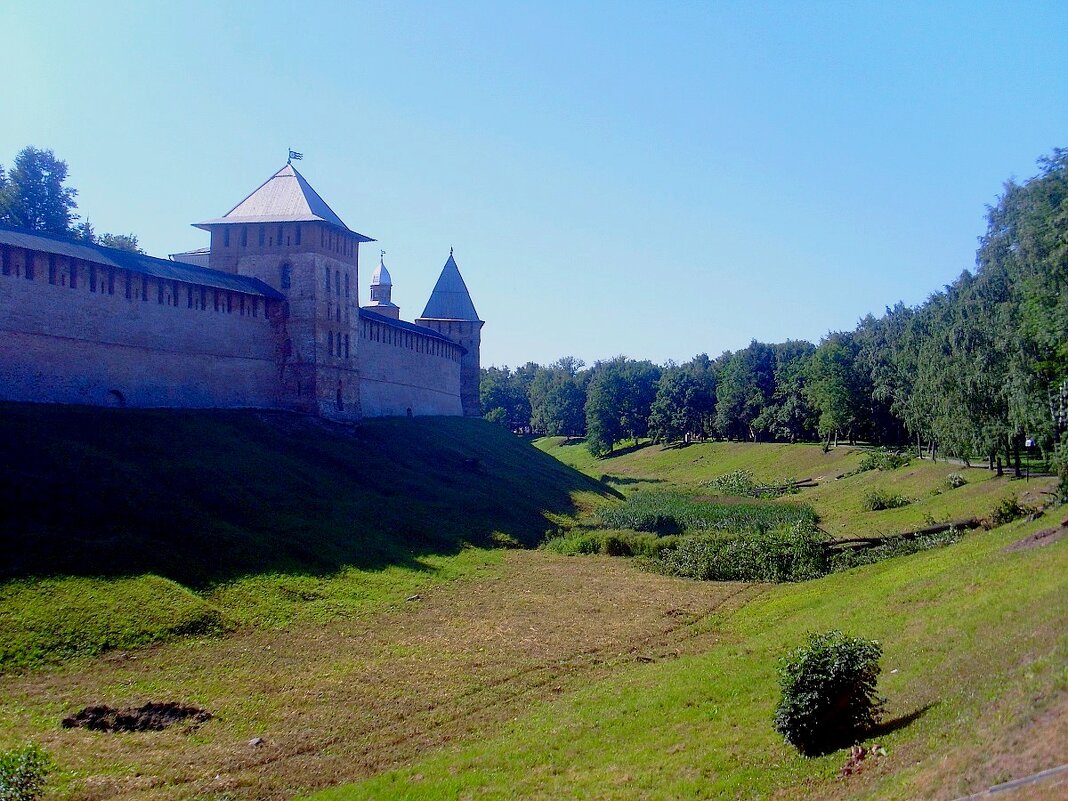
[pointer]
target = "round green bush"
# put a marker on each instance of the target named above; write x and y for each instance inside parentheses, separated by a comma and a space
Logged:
(23, 772)
(828, 692)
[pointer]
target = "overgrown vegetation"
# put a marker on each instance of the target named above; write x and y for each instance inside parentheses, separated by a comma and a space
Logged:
(880, 459)
(876, 500)
(24, 772)
(789, 553)
(845, 558)
(673, 512)
(829, 695)
(742, 484)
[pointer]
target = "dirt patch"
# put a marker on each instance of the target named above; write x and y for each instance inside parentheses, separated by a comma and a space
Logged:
(1046, 536)
(150, 717)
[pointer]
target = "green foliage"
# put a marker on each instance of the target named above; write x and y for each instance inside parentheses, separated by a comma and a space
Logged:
(33, 195)
(23, 772)
(829, 695)
(120, 242)
(618, 402)
(672, 512)
(558, 399)
(883, 459)
(1007, 510)
(741, 484)
(854, 557)
(611, 543)
(838, 388)
(790, 553)
(876, 500)
(685, 402)
(955, 481)
(505, 395)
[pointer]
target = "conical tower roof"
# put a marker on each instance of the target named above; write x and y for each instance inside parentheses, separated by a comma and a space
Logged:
(284, 197)
(381, 277)
(450, 299)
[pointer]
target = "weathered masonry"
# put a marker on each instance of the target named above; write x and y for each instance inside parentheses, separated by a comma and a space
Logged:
(272, 321)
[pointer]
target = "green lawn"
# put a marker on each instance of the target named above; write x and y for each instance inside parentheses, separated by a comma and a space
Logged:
(974, 647)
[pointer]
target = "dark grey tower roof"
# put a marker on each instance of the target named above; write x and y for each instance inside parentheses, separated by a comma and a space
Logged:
(284, 197)
(450, 299)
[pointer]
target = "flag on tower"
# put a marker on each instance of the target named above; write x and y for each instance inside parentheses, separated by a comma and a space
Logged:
(295, 156)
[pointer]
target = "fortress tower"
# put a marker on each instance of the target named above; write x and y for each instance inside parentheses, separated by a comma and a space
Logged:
(450, 312)
(286, 235)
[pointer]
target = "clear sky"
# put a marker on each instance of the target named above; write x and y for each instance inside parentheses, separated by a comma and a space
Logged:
(653, 179)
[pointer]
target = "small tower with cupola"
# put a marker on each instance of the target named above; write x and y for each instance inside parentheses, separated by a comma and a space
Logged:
(382, 291)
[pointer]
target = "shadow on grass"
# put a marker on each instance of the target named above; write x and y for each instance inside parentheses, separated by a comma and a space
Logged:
(628, 449)
(203, 497)
(901, 722)
(625, 481)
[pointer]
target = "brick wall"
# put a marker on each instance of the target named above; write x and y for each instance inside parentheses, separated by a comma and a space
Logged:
(75, 345)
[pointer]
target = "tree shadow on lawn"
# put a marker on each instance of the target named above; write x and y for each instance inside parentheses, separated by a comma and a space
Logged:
(902, 721)
(204, 497)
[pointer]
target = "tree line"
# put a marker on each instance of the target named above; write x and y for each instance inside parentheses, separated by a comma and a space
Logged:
(34, 195)
(977, 371)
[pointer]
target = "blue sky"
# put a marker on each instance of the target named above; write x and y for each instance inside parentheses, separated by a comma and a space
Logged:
(653, 179)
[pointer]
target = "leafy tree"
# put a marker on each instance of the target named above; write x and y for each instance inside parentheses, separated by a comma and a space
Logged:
(557, 399)
(32, 195)
(120, 241)
(746, 385)
(685, 401)
(836, 389)
(504, 396)
(787, 414)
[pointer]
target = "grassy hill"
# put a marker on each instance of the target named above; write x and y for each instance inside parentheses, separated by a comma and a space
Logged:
(153, 524)
(374, 644)
(974, 673)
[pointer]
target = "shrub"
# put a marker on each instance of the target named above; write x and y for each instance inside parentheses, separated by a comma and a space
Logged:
(880, 459)
(610, 543)
(23, 772)
(1007, 510)
(794, 553)
(877, 500)
(828, 692)
(671, 513)
(740, 483)
(955, 481)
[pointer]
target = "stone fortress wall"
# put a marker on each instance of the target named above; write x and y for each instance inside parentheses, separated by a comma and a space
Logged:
(275, 322)
(78, 331)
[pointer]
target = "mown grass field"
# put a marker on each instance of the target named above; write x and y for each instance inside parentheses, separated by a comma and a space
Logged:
(344, 596)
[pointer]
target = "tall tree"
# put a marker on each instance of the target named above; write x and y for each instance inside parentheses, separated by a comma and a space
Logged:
(33, 195)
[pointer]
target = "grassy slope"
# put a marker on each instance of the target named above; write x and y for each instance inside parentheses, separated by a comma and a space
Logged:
(154, 524)
(972, 633)
(974, 637)
(839, 502)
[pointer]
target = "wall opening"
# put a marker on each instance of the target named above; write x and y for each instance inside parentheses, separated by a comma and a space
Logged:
(116, 399)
